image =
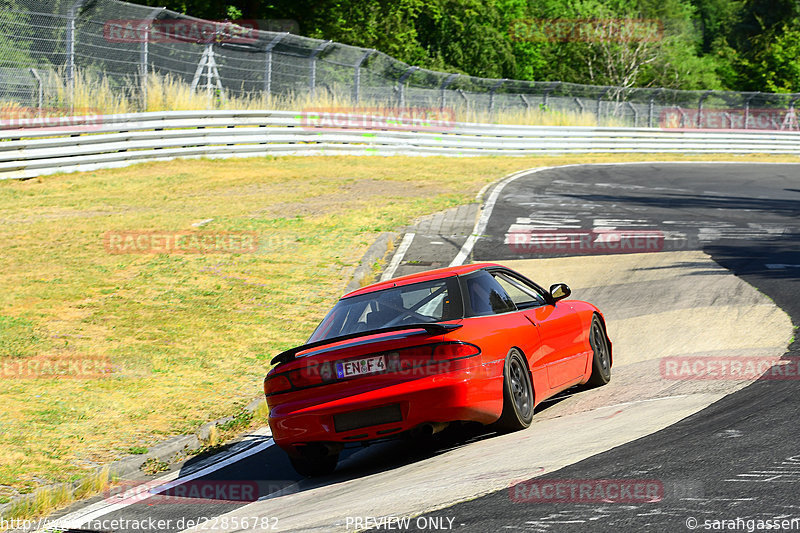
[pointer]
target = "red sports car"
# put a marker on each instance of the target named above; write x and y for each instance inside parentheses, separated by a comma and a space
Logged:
(477, 343)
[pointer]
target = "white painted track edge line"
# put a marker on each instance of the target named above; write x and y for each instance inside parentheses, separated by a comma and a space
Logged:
(486, 212)
(104, 507)
(398, 256)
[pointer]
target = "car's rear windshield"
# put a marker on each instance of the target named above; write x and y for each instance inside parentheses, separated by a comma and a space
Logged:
(418, 303)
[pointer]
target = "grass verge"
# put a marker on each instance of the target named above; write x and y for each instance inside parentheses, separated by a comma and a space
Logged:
(186, 338)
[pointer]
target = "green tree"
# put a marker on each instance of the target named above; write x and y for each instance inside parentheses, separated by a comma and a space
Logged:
(16, 37)
(764, 44)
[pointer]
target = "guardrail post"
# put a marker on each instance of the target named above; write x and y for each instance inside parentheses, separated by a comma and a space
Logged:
(357, 75)
(401, 88)
(40, 90)
(70, 37)
(268, 62)
(312, 83)
(491, 93)
(446, 83)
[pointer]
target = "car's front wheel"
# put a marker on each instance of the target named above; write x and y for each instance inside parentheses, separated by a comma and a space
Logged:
(517, 394)
(601, 361)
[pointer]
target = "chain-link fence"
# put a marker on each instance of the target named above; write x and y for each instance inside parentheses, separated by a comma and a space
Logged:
(49, 44)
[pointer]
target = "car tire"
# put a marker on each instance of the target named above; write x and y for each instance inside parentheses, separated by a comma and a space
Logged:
(518, 396)
(601, 359)
(315, 466)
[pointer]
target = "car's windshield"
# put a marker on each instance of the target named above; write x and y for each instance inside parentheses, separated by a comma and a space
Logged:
(430, 301)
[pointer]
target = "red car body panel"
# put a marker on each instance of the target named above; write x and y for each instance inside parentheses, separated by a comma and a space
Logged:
(465, 384)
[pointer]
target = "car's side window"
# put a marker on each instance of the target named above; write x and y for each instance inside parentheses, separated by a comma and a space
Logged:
(485, 296)
(521, 294)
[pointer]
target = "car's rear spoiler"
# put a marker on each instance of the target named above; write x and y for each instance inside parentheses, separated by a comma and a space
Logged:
(431, 329)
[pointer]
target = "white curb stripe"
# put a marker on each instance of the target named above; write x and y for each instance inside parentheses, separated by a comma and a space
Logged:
(398, 256)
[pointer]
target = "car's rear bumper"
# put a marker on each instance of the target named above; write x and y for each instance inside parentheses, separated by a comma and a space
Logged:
(471, 394)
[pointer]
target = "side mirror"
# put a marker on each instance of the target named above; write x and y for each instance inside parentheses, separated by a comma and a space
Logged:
(559, 291)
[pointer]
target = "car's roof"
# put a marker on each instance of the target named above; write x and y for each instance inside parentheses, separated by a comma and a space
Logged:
(428, 275)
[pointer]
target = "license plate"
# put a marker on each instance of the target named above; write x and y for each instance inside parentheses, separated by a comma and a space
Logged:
(358, 367)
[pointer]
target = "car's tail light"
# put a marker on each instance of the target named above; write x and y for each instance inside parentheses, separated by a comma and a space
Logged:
(431, 359)
(455, 350)
(275, 384)
(313, 373)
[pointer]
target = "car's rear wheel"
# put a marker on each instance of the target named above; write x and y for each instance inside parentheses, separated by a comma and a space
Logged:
(601, 361)
(517, 394)
(315, 466)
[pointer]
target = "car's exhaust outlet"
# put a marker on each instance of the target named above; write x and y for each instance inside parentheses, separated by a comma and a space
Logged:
(317, 450)
(430, 428)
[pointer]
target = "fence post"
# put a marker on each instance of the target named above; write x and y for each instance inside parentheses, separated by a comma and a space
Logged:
(491, 93)
(144, 55)
(70, 37)
(651, 107)
(599, 98)
(357, 75)
(747, 109)
(312, 83)
(268, 62)
(40, 90)
(790, 114)
(547, 92)
(635, 114)
(446, 83)
(700, 108)
(401, 88)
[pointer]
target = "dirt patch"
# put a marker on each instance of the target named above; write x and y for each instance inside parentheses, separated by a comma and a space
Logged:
(365, 190)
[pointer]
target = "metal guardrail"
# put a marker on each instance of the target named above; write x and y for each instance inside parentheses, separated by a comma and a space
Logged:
(92, 143)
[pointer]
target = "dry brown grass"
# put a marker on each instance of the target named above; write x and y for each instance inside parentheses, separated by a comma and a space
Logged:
(93, 93)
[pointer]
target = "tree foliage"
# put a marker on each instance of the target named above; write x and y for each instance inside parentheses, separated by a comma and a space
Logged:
(700, 44)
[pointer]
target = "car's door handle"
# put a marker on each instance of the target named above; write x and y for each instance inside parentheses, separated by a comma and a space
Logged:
(531, 321)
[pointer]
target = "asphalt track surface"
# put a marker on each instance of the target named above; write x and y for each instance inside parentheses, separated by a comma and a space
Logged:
(738, 458)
